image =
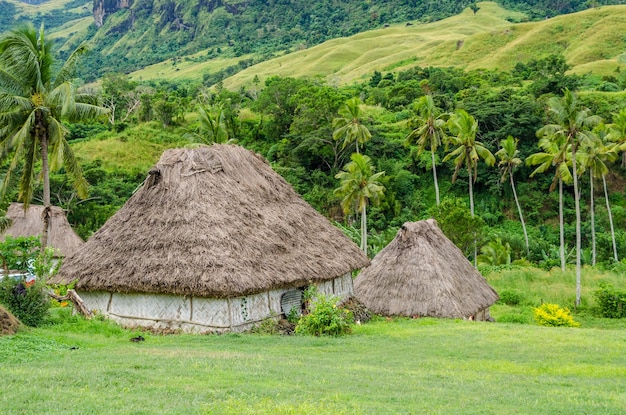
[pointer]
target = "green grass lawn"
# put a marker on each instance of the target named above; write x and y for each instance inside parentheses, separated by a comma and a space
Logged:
(404, 366)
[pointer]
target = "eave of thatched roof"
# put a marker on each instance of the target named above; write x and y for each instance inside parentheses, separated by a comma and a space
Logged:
(422, 273)
(30, 223)
(216, 222)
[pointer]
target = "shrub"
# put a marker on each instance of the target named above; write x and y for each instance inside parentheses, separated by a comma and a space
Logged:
(551, 315)
(29, 304)
(325, 318)
(611, 301)
(511, 297)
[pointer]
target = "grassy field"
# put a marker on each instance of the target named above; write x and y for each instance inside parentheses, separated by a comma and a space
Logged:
(387, 366)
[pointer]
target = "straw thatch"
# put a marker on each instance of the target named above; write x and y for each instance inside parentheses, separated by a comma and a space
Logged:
(8, 323)
(30, 223)
(422, 273)
(213, 222)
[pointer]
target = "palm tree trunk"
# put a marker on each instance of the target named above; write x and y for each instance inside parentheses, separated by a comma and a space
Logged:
(593, 221)
(432, 153)
(561, 226)
(364, 230)
(45, 170)
(608, 209)
(521, 217)
(471, 198)
(578, 236)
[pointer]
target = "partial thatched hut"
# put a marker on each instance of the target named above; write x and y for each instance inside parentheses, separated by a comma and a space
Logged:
(214, 240)
(8, 323)
(30, 223)
(422, 273)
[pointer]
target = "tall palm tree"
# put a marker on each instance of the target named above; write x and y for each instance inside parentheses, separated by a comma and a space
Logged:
(554, 154)
(575, 124)
(358, 185)
(594, 157)
(617, 133)
(348, 126)
(33, 106)
(509, 160)
(468, 151)
(428, 131)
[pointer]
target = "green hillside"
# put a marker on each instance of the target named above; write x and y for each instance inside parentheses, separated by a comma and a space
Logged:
(487, 39)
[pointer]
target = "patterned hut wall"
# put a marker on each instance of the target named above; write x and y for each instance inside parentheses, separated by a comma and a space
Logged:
(96, 300)
(274, 299)
(211, 312)
(151, 306)
(339, 287)
(250, 309)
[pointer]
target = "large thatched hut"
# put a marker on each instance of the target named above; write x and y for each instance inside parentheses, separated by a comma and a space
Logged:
(214, 240)
(29, 222)
(422, 273)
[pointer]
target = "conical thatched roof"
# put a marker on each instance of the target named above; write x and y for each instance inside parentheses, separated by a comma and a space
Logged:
(30, 223)
(422, 273)
(216, 222)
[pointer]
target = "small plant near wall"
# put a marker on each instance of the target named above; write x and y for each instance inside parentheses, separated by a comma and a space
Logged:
(551, 315)
(325, 318)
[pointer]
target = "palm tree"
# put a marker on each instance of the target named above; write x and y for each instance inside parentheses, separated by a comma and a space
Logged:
(358, 185)
(33, 106)
(573, 123)
(554, 154)
(594, 156)
(509, 160)
(428, 130)
(617, 133)
(349, 127)
(467, 152)
(212, 124)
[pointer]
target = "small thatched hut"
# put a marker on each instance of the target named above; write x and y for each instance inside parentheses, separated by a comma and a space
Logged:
(422, 273)
(214, 240)
(30, 223)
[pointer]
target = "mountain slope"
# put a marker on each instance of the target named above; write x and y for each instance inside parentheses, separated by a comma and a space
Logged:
(589, 41)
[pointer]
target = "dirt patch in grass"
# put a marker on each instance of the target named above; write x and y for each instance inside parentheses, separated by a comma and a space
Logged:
(8, 323)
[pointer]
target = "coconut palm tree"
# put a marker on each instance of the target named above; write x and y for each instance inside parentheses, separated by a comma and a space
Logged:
(575, 124)
(468, 151)
(594, 157)
(554, 154)
(358, 185)
(348, 126)
(428, 131)
(33, 106)
(509, 160)
(212, 124)
(617, 133)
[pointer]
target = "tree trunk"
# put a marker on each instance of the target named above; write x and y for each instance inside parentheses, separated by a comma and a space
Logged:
(561, 226)
(521, 217)
(593, 221)
(364, 230)
(470, 179)
(578, 236)
(78, 302)
(432, 152)
(45, 171)
(608, 209)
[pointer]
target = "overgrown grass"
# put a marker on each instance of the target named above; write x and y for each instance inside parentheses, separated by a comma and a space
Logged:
(387, 366)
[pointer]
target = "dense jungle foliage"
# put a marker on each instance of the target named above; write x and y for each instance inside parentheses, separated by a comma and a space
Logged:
(290, 122)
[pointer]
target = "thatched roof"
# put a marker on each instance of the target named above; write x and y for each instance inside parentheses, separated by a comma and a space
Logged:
(30, 223)
(422, 273)
(216, 222)
(8, 323)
